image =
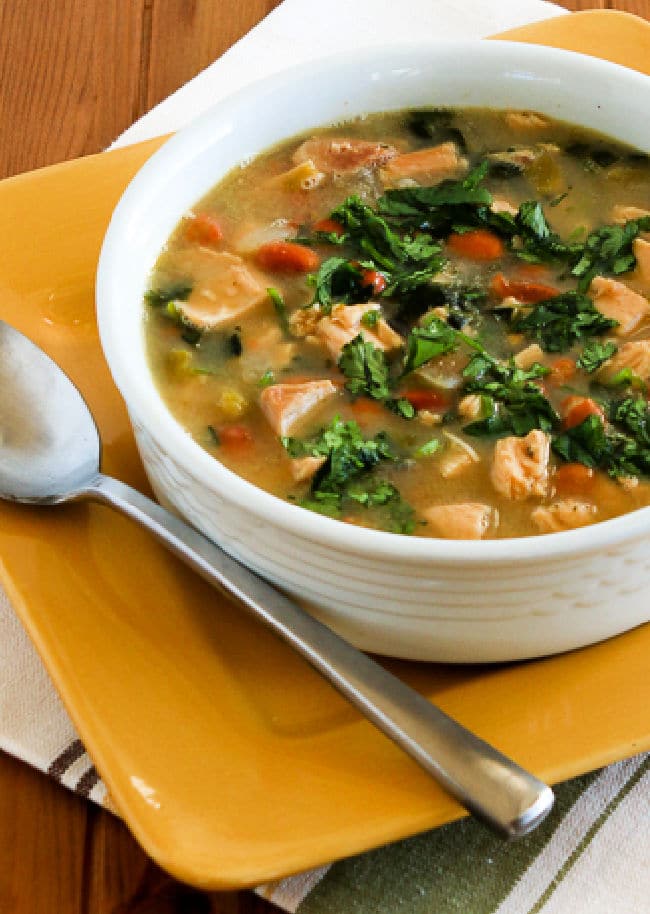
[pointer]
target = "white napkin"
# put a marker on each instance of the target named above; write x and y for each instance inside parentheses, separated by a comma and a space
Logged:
(298, 31)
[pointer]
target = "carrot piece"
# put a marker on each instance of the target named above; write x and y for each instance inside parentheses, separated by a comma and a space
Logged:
(364, 408)
(562, 370)
(476, 245)
(287, 257)
(425, 399)
(522, 289)
(375, 280)
(235, 438)
(576, 409)
(203, 229)
(572, 478)
(532, 270)
(329, 226)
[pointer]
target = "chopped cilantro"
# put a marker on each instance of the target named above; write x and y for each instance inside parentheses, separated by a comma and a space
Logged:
(585, 443)
(414, 202)
(280, 308)
(365, 368)
(175, 291)
(557, 323)
(433, 339)
(595, 354)
(338, 281)
(513, 402)
(620, 453)
(371, 318)
(347, 476)
(633, 414)
(608, 250)
(267, 378)
(368, 374)
(428, 448)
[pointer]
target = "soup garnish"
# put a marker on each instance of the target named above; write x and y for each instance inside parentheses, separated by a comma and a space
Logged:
(432, 322)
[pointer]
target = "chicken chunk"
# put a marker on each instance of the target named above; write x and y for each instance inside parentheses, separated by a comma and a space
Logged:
(224, 287)
(430, 165)
(468, 521)
(617, 301)
(343, 155)
(265, 350)
(635, 356)
(445, 373)
(622, 213)
(251, 236)
(563, 515)
(520, 466)
(303, 468)
(285, 405)
(345, 322)
(641, 250)
(525, 120)
(457, 457)
(529, 356)
(502, 205)
(470, 406)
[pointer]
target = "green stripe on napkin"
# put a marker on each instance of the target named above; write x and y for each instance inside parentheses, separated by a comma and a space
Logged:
(463, 869)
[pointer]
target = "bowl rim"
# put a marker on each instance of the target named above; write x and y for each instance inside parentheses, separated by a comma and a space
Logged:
(196, 461)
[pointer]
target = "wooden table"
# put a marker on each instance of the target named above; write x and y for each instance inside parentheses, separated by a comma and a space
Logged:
(73, 75)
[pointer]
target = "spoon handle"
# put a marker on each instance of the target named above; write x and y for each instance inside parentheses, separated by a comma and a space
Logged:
(484, 781)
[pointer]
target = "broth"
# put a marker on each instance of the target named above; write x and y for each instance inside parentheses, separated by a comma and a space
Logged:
(429, 322)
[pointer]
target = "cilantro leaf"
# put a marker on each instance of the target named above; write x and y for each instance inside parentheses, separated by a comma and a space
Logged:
(365, 368)
(373, 237)
(368, 374)
(515, 404)
(608, 249)
(338, 281)
(175, 291)
(595, 354)
(585, 443)
(424, 343)
(280, 308)
(620, 453)
(633, 414)
(418, 201)
(557, 323)
(347, 477)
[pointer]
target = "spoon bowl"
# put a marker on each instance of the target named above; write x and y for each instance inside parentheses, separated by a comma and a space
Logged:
(49, 443)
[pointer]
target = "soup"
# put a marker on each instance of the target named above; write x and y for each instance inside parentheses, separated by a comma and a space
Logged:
(430, 322)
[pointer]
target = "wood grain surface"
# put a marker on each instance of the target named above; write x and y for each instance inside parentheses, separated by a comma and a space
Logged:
(73, 75)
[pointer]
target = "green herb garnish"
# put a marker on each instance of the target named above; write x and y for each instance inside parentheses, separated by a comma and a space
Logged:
(557, 323)
(347, 476)
(176, 291)
(595, 354)
(280, 309)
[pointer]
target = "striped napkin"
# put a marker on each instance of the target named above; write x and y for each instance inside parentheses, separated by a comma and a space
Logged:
(592, 856)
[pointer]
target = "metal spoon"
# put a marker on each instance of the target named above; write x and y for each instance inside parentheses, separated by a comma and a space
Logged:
(49, 455)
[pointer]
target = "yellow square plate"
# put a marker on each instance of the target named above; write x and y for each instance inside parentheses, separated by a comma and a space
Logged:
(230, 760)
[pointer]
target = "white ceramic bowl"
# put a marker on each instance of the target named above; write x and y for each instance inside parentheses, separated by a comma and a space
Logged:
(412, 597)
